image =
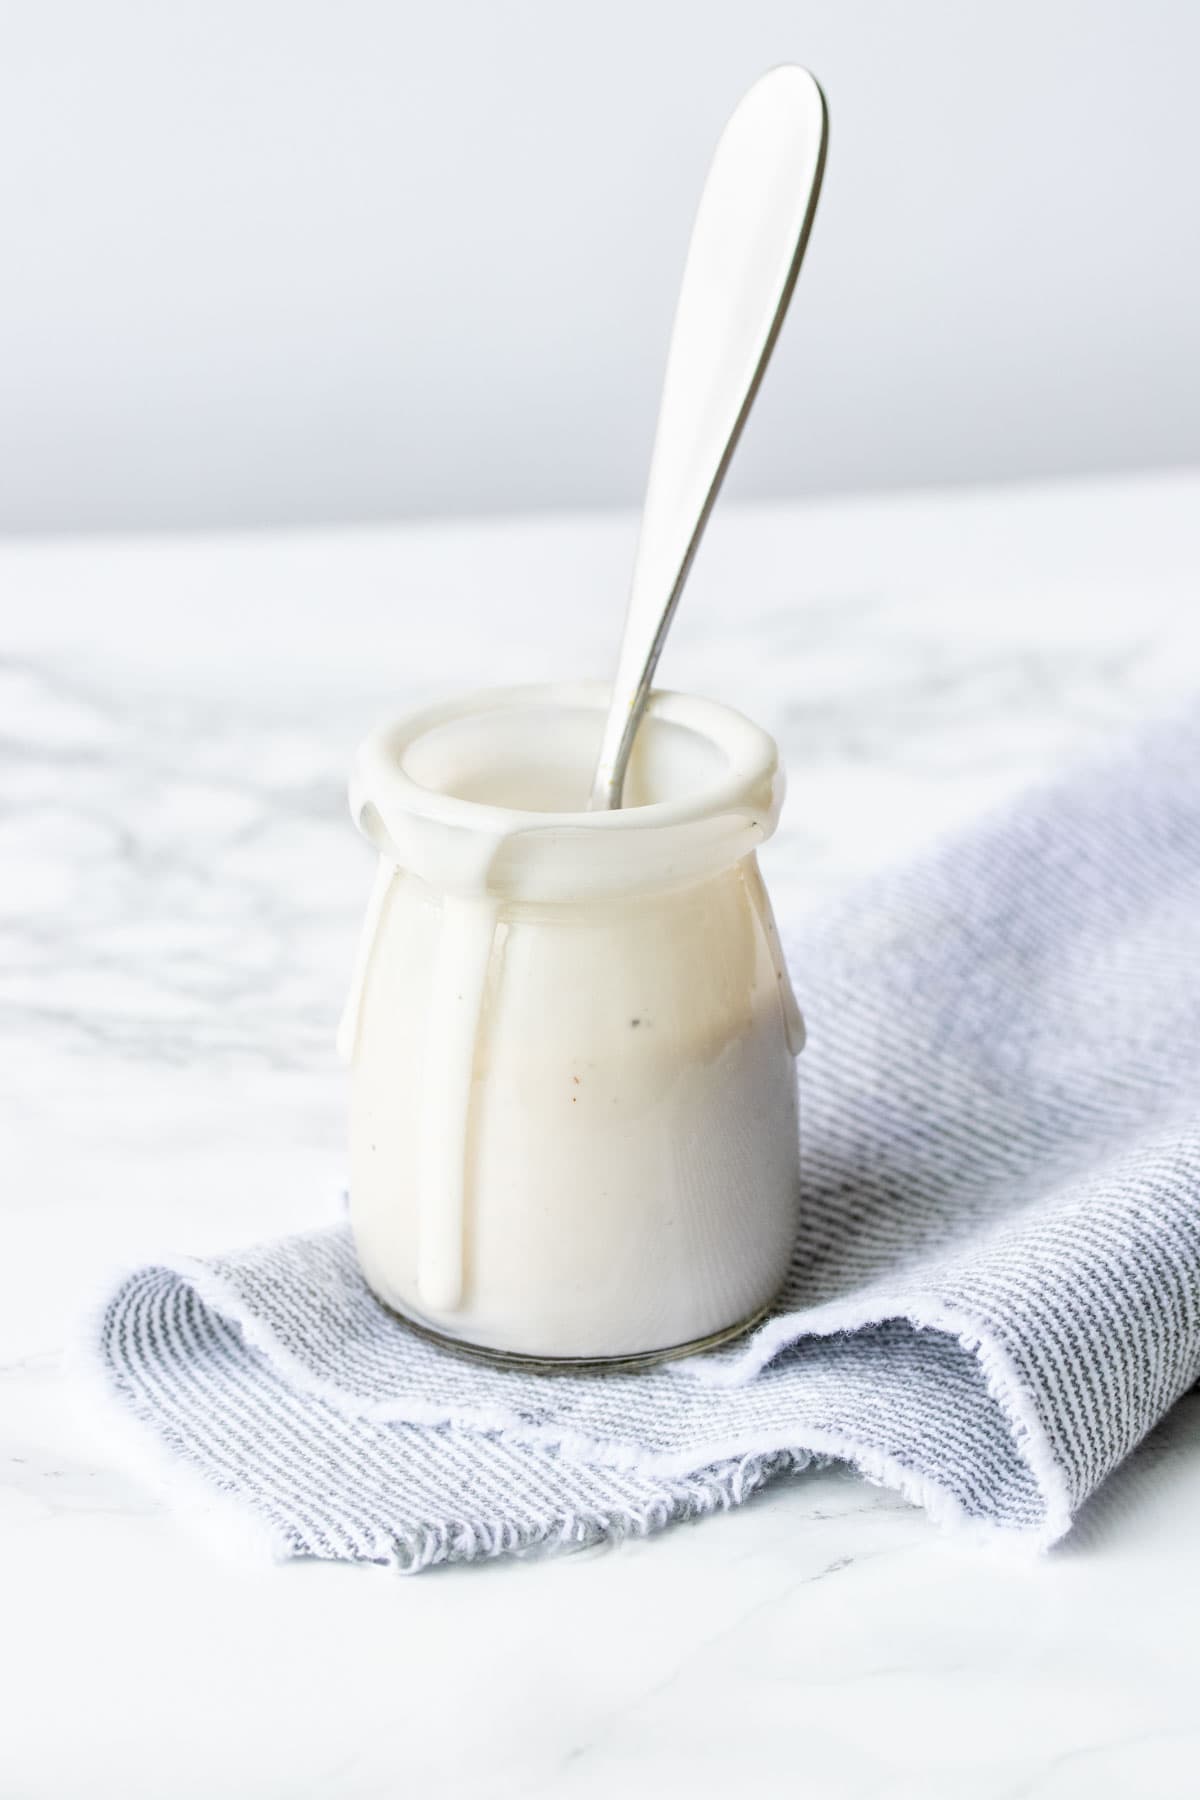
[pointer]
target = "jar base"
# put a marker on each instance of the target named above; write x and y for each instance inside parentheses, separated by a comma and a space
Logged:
(575, 1365)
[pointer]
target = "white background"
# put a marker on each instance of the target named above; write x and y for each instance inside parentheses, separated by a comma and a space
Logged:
(274, 260)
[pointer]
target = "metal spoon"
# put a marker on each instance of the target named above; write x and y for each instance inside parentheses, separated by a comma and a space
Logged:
(750, 234)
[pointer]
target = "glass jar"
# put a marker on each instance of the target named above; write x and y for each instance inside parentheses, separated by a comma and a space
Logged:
(573, 1104)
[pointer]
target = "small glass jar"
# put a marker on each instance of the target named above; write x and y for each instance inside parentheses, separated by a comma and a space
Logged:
(573, 1114)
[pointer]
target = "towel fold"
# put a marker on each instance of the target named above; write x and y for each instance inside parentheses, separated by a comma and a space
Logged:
(995, 1292)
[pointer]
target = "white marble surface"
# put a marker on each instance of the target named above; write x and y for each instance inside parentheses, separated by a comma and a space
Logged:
(179, 899)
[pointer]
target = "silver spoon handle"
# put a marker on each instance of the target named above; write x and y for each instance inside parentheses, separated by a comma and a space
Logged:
(751, 229)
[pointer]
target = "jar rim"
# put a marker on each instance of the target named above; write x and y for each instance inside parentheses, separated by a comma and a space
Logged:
(473, 847)
(751, 760)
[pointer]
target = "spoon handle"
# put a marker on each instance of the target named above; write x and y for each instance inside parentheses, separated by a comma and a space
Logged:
(751, 229)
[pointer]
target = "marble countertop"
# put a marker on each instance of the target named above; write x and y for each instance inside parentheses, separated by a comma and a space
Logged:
(180, 900)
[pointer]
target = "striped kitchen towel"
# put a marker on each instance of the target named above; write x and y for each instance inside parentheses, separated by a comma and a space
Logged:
(995, 1294)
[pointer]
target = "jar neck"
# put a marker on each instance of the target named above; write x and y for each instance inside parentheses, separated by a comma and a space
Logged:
(421, 793)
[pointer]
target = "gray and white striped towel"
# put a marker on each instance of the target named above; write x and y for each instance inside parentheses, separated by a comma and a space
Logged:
(995, 1294)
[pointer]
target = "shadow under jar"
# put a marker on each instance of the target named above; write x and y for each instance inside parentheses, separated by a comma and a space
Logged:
(573, 1104)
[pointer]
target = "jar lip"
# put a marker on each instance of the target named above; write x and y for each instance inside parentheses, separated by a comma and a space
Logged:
(750, 753)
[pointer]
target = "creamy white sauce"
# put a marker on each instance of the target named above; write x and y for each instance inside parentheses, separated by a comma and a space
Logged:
(793, 1018)
(460, 971)
(347, 1032)
(582, 1149)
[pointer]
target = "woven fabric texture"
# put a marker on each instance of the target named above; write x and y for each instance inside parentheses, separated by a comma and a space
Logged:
(995, 1292)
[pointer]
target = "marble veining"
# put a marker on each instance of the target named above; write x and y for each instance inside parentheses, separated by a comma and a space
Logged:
(181, 894)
